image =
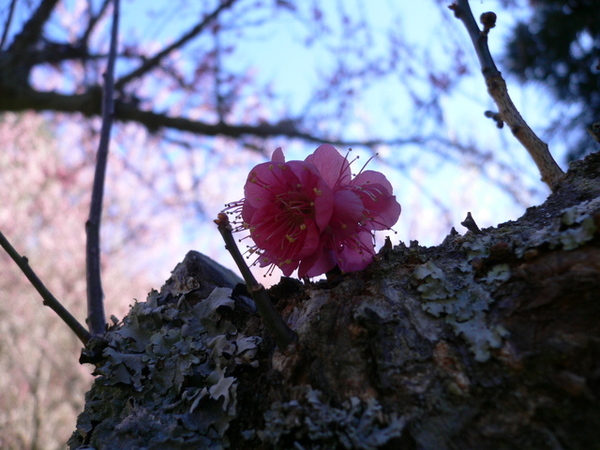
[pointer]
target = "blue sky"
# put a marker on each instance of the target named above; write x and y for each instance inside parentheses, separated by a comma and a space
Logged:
(275, 54)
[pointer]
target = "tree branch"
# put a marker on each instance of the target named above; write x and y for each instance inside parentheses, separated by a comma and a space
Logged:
(549, 170)
(282, 334)
(95, 296)
(48, 299)
(93, 21)
(88, 104)
(7, 24)
(32, 30)
(156, 59)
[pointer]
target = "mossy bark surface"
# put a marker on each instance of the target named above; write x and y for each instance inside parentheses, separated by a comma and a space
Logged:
(489, 340)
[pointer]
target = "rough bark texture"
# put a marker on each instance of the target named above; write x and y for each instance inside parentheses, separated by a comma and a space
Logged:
(488, 340)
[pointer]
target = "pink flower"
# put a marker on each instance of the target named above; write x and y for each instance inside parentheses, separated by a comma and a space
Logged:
(286, 208)
(312, 215)
(361, 205)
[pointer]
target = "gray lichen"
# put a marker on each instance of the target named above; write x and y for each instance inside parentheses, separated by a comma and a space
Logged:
(462, 301)
(452, 289)
(180, 355)
(574, 227)
(309, 422)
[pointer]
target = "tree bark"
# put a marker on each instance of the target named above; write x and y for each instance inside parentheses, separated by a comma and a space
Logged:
(489, 340)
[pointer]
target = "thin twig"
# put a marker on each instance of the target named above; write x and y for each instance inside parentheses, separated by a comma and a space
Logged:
(470, 224)
(95, 296)
(550, 172)
(154, 61)
(94, 19)
(48, 299)
(282, 334)
(7, 24)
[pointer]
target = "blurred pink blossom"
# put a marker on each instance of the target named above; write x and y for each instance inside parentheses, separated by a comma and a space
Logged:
(312, 215)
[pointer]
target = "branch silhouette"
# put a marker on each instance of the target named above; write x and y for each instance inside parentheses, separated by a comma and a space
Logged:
(95, 296)
(549, 170)
(48, 299)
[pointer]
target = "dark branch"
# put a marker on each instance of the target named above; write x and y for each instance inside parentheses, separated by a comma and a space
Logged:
(550, 172)
(282, 334)
(7, 24)
(89, 104)
(470, 224)
(154, 61)
(48, 299)
(462, 10)
(95, 296)
(32, 30)
(94, 21)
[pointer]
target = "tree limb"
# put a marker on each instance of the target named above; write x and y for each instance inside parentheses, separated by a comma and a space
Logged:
(150, 63)
(95, 296)
(549, 170)
(48, 299)
(7, 24)
(94, 21)
(32, 30)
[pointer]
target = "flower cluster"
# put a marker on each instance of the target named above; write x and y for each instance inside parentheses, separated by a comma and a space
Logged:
(312, 215)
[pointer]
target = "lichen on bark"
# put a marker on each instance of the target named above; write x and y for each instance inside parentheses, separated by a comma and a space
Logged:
(488, 340)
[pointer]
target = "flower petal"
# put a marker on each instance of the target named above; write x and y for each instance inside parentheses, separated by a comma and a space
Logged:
(356, 254)
(333, 167)
(347, 212)
(265, 181)
(321, 262)
(381, 208)
(277, 155)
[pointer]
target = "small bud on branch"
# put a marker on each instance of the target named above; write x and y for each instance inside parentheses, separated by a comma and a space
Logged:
(488, 20)
(550, 172)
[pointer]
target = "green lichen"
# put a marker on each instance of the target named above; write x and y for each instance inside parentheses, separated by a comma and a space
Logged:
(451, 292)
(454, 295)
(476, 246)
(574, 227)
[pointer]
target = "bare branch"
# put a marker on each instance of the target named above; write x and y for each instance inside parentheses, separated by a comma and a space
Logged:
(550, 172)
(150, 63)
(8, 21)
(32, 30)
(94, 21)
(89, 104)
(282, 334)
(95, 296)
(48, 299)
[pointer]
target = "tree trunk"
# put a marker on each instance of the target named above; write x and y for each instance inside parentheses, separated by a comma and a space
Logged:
(489, 340)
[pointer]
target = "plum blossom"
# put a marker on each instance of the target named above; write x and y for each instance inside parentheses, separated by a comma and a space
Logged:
(312, 215)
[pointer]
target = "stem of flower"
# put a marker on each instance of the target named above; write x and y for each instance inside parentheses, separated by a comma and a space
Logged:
(282, 334)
